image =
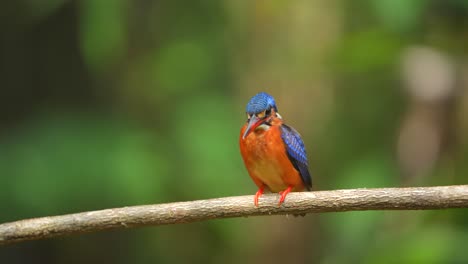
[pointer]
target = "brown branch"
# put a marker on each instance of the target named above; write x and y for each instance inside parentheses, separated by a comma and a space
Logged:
(185, 212)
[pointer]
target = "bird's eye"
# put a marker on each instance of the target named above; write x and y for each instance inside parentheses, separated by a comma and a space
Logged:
(264, 113)
(261, 114)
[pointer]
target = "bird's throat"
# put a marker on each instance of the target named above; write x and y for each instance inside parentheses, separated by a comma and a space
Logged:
(262, 127)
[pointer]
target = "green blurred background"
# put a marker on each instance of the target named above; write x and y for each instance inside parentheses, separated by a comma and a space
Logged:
(109, 104)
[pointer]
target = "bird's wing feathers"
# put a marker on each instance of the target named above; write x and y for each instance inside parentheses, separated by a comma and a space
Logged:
(296, 153)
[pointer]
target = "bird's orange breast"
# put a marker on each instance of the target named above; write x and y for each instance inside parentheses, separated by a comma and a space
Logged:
(265, 158)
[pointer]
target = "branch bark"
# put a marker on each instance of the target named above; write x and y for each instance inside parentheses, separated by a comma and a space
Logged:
(421, 198)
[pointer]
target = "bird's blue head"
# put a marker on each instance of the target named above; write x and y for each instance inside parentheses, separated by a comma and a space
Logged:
(260, 110)
(260, 102)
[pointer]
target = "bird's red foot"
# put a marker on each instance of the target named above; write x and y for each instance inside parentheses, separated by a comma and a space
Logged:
(283, 194)
(257, 195)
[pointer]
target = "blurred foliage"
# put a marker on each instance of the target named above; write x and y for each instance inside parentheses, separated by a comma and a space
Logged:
(138, 102)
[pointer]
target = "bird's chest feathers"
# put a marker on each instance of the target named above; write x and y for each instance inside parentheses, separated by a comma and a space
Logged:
(265, 149)
(259, 144)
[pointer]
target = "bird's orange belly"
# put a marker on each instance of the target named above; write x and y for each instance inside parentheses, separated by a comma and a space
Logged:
(269, 173)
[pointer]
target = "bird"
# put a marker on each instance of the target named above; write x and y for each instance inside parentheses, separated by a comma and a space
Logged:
(273, 152)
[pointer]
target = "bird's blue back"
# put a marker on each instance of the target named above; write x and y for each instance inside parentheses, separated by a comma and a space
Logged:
(296, 153)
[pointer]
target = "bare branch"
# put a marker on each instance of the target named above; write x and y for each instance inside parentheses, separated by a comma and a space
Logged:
(422, 198)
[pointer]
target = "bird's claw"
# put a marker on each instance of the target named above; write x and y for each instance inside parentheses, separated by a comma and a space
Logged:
(257, 195)
(283, 195)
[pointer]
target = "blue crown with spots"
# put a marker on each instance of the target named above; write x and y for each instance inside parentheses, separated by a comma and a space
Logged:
(261, 102)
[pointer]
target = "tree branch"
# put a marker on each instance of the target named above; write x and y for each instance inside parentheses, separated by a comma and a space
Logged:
(186, 212)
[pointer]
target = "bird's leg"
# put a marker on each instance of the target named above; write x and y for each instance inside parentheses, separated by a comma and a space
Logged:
(284, 193)
(258, 194)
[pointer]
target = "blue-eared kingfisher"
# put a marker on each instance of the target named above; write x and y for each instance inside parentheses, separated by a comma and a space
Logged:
(273, 152)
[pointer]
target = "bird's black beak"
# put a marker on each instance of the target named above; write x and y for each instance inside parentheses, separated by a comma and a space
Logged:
(254, 122)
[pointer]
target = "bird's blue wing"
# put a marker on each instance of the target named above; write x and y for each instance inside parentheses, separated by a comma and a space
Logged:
(296, 153)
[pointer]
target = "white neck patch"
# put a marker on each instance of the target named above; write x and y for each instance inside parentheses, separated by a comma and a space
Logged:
(263, 127)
